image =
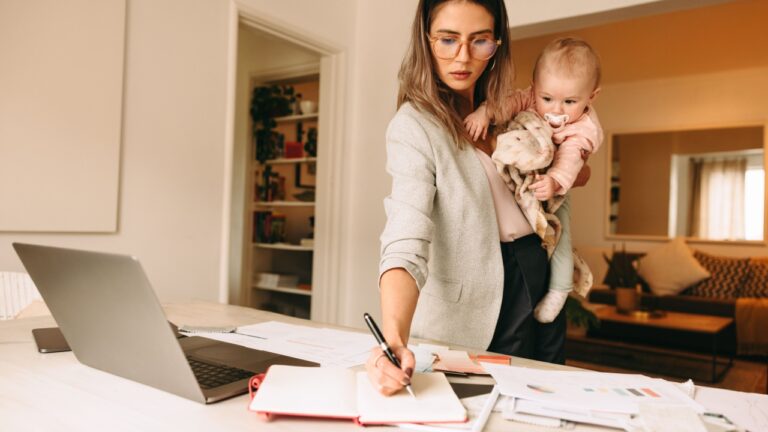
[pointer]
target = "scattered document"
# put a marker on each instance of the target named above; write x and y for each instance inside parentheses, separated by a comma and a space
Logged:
(478, 410)
(670, 418)
(457, 361)
(569, 390)
(460, 362)
(536, 410)
(326, 346)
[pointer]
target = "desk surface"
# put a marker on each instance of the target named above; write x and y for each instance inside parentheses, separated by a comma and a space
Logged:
(670, 320)
(56, 392)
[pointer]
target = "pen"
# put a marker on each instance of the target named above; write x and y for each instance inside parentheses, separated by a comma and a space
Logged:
(384, 346)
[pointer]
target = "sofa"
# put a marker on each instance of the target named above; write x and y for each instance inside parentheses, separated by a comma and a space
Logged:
(729, 279)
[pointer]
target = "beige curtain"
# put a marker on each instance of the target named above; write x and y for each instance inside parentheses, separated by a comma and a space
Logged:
(717, 198)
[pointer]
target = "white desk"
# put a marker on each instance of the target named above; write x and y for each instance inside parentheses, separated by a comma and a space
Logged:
(56, 392)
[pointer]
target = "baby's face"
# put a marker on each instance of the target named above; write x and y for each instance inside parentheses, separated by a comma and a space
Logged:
(559, 94)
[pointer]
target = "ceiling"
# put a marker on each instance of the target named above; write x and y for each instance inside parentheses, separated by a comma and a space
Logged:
(710, 39)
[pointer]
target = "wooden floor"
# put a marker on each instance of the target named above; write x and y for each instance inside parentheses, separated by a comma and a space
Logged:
(744, 375)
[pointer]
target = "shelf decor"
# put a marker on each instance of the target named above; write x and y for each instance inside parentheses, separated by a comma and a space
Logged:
(267, 103)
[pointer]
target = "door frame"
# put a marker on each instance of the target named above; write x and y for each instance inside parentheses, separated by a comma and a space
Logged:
(326, 260)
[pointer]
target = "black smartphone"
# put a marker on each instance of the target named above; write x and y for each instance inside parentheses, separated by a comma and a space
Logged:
(50, 340)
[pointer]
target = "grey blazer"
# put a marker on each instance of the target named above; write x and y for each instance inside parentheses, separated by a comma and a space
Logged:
(441, 228)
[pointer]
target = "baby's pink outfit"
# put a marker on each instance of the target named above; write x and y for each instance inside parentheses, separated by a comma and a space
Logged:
(584, 134)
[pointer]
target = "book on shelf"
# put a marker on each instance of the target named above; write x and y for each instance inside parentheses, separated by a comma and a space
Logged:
(334, 392)
(268, 226)
(274, 280)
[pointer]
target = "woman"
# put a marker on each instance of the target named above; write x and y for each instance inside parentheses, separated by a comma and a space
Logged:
(443, 274)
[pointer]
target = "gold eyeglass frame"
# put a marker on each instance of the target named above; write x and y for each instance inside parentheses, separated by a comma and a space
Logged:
(462, 41)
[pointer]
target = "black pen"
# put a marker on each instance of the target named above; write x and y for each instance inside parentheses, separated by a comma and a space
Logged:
(384, 346)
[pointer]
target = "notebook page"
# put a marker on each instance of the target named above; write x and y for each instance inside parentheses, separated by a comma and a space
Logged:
(307, 391)
(435, 402)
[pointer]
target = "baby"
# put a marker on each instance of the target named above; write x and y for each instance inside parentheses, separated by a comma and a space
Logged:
(566, 80)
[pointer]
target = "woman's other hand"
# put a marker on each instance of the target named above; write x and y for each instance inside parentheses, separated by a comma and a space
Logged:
(387, 378)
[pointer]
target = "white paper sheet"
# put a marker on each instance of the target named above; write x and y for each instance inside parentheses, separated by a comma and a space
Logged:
(670, 418)
(329, 347)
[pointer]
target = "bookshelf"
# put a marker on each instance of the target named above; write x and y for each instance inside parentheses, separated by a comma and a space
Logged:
(281, 210)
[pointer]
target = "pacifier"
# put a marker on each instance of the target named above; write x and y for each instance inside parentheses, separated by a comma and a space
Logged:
(556, 120)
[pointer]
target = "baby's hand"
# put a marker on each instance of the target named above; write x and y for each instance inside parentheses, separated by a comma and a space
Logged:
(544, 187)
(477, 123)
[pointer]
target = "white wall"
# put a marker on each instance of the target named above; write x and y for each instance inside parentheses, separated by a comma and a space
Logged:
(718, 99)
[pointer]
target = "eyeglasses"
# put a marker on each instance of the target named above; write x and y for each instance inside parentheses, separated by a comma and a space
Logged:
(447, 47)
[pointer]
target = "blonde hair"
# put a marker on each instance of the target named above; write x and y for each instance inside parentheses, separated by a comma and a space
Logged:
(573, 55)
(421, 86)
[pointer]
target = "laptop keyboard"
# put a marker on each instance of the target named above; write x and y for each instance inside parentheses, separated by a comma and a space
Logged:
(210, 375)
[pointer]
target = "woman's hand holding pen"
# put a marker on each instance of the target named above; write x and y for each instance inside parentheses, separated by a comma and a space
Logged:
(387, 378)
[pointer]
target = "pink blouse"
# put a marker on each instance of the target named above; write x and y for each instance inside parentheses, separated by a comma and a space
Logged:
(512, 222)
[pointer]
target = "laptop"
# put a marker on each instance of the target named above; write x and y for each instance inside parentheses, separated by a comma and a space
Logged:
(112, 320)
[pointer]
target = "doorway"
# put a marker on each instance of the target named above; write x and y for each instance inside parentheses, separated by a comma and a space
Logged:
(267, 55)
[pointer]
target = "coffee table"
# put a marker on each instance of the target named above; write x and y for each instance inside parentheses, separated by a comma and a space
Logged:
(710, 326)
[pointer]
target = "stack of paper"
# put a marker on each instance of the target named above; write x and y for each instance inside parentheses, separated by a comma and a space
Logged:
(614, 400)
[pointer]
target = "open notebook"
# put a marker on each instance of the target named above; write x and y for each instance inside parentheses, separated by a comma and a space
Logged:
(343, 393)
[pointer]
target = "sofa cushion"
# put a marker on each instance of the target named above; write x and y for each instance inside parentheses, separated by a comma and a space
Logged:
(756, 284)
(728, 276)
(670, 268)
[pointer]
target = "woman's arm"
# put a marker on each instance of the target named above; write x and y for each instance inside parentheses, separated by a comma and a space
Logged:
(398, 302)
(404, 244)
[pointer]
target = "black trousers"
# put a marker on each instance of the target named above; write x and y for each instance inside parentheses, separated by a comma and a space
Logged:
(526, 281)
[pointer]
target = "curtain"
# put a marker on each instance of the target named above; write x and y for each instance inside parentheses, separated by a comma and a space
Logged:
(717, 198)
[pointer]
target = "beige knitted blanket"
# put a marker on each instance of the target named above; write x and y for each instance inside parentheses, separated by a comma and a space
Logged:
(522, 151)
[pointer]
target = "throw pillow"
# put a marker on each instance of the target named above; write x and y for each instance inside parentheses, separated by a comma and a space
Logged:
(671, 268)
(728, 275)
(756, 284)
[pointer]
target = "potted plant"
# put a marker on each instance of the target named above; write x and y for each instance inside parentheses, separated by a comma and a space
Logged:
(311, 146)
(623, 279)
(267, 103)
(579, 318)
